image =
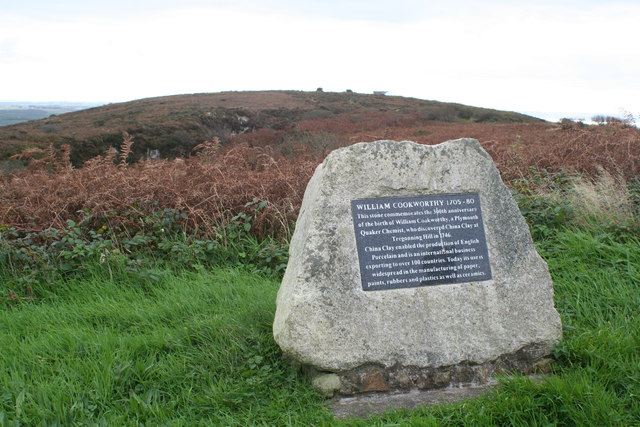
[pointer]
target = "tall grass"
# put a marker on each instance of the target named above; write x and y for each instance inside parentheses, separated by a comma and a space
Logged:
(554, 200)
(604, 198)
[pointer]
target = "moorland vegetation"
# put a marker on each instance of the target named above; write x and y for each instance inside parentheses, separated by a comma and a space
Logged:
(173, 125)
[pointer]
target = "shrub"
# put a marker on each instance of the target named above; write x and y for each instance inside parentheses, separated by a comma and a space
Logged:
(465, 113)
(487, 116)
(32, 262)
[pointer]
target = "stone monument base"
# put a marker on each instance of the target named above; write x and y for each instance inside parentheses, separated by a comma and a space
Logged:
(376, 378)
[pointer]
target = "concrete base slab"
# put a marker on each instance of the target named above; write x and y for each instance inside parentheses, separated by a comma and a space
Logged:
(367, 405)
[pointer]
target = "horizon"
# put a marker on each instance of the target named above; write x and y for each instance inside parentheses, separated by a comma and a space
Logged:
(550, 116)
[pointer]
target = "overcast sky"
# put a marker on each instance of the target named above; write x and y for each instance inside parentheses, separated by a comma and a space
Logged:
(572, 57)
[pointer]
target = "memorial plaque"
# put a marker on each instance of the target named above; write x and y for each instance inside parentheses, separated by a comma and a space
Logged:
(406, 242)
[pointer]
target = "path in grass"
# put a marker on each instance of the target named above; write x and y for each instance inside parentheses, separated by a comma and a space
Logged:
(196, 348)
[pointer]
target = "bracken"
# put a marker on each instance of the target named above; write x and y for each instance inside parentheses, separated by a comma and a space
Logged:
(216, 183)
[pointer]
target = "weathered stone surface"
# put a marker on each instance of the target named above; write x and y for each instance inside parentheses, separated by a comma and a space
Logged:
(326, 384)
(374, 380)
(427, 334)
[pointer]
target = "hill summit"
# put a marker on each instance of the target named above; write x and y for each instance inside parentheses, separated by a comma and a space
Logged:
(171, 126)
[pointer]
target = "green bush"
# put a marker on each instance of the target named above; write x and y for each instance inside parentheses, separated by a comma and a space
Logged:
(32, 263)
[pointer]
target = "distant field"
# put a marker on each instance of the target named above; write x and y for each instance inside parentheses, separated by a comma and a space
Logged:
(12, 113)
(11, 117)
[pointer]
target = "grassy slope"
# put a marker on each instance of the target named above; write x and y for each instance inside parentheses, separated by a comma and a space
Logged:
(174, 124)
(197, 349)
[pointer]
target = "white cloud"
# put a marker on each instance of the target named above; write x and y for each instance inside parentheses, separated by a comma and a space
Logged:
(518, 58)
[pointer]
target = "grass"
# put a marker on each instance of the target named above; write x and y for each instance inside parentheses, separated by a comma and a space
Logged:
(195, 348)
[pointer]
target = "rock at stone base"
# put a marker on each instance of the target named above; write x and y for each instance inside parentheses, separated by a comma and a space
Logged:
(415, 337)
(326, 384)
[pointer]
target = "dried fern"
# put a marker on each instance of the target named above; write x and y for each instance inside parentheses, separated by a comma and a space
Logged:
(65, 157)
(207, 148)
(216, 184)
(110, 156)
(125, 149)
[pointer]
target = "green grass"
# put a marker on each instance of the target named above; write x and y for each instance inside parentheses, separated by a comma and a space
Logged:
(195, 348)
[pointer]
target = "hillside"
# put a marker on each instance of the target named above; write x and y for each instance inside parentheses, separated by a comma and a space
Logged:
(175, 124)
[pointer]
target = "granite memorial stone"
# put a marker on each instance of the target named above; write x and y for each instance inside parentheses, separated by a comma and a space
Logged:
(411, 267)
